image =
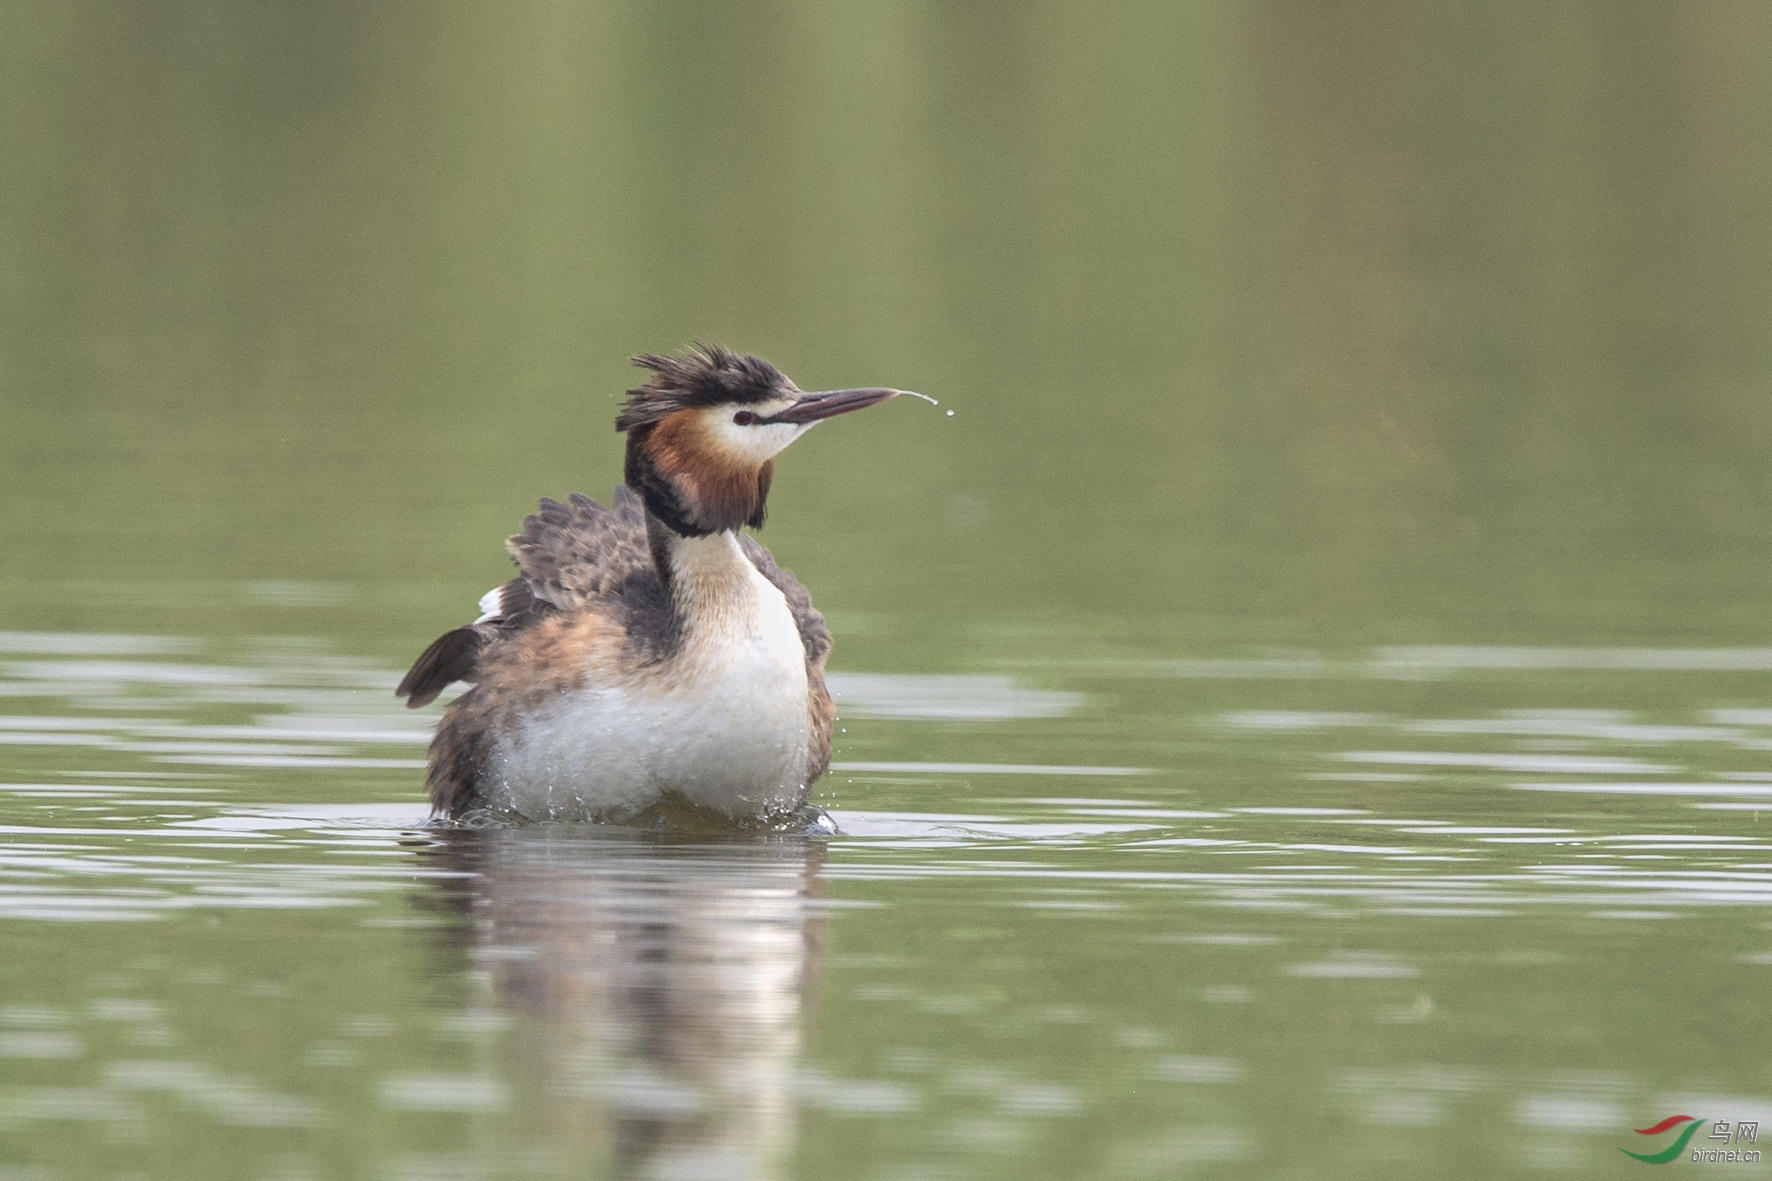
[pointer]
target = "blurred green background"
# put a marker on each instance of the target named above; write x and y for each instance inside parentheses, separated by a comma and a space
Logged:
(1273, 332)
(1363, 321)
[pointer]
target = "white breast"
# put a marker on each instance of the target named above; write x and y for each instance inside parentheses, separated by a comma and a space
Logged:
(724, 724)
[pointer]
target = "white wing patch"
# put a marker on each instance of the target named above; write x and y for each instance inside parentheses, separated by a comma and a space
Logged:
(490, 607)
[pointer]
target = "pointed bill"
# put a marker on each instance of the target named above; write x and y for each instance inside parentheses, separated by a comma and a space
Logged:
(813, 407)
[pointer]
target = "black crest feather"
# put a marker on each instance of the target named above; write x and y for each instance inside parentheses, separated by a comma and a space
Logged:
(706, 375)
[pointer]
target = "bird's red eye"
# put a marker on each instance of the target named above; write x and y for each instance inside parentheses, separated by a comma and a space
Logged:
(744, 418)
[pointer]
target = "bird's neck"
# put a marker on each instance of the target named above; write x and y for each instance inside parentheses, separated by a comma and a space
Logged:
(691, 491)
(708, 576)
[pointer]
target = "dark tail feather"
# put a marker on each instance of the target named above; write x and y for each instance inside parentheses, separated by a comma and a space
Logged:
(450, 658)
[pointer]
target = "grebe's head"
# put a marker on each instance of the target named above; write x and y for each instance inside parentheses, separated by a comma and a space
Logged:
(704, 431)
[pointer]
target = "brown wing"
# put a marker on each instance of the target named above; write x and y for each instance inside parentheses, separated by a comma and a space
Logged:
(577, 554)
(572, 556)
(455, 655)
(450, 658)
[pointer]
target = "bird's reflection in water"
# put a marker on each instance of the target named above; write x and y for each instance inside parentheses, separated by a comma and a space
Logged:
(657, 989)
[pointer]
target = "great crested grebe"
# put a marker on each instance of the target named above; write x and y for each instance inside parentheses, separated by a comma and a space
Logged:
(648, 655)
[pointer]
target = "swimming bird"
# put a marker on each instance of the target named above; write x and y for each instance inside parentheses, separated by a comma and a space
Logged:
(648, 655)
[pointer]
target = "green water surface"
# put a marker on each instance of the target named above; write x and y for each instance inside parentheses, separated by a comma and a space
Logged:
(1306, 713)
